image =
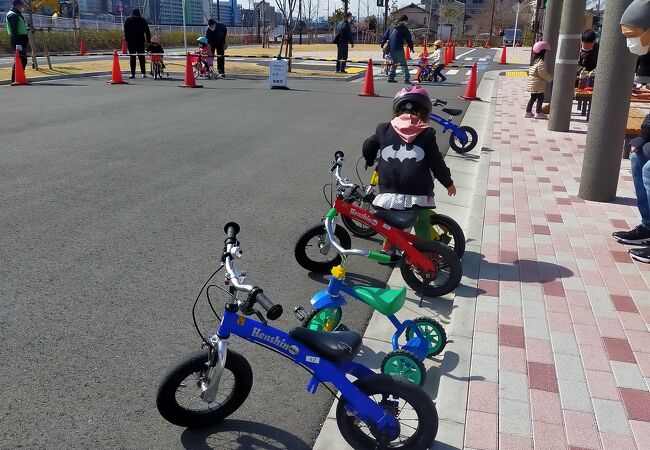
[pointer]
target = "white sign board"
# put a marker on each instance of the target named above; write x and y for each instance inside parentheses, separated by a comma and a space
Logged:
(278, 73)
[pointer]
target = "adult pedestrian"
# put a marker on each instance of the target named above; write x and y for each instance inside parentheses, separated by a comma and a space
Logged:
(642, 73)
(17, 32)
(216, 34)
(136, 33)
(393, 42)
(635, 26)
(342, 39)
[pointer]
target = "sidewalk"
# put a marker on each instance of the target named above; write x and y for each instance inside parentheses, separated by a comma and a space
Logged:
(561, 348)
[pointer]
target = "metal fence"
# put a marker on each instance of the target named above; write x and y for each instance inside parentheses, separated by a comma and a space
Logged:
(63, 24)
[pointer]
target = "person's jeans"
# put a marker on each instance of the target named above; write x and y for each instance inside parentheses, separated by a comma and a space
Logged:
(641, 178)
(399, 57)
(23, 60)
(537, 96)
(143, 62)
(341, 55)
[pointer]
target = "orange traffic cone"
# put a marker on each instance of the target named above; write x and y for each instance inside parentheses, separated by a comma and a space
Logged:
(82, 47)
(116, 75)
(408, 53)
(19, 72)
(447, 56)
(487, 43)
(453, 53)
(425, 52)
(470, 91)
(471, 44)
(189, 82)
(124, 49)
(503, 56)
(369, 83)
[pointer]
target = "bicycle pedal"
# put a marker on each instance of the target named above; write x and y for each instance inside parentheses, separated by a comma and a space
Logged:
(300, 313)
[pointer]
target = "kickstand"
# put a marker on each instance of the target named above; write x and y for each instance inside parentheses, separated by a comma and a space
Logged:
(421, 296)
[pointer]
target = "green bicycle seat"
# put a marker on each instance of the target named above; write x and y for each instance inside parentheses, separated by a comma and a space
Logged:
(386, 301)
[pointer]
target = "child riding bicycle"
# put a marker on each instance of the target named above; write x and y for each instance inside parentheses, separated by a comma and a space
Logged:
(155, 52)
(204, 52)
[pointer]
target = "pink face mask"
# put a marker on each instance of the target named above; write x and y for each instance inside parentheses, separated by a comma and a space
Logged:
(408, 126)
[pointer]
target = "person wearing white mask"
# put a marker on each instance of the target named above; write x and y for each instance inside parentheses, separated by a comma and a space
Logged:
(635, 26)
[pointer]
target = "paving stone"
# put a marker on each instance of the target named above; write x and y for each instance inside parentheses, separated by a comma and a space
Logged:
(514, 418)
(513, 386)
(564, 343)
(611, 417)
(628, 375)
(485, 344)
(485, 367)
(569, 367)
(575, 396)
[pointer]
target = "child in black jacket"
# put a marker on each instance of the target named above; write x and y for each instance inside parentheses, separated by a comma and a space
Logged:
(407, 152)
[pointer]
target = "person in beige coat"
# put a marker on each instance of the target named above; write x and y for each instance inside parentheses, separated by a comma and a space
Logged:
(538, 76)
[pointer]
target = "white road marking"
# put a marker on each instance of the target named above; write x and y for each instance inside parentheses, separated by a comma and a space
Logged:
(482, 59)
(452, 72)
(469, 72)
(469, 59)
(466, 53)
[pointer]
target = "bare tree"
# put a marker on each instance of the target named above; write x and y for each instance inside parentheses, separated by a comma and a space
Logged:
(287, 8)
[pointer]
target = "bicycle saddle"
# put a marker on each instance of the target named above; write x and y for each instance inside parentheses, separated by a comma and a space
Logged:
(452, 112)
(398, 219)
(335, 346)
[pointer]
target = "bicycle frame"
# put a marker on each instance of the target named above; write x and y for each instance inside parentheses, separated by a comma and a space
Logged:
(448, 124)
(332, 298)
(393, 235)
(323, 371)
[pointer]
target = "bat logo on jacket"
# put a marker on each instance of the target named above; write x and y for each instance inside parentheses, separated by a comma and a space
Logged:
(403, 153)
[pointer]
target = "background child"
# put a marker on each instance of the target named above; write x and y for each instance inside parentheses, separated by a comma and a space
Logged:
(537, 78)
(408, 153)
(438, 62)
(205, 52)
(156, 50)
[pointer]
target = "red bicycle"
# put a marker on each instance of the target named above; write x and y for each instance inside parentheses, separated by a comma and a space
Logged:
(430, 268)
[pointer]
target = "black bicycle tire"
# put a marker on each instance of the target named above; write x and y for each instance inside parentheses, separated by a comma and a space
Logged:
(171, 411)
(452, 259)
(455, 230)
(306, 262)
(472, 143)
(425, 409)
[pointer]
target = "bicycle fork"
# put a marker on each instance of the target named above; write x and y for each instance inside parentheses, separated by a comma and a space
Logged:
(216, 363)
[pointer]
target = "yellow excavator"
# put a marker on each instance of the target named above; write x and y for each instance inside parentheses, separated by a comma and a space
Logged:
(60, 8)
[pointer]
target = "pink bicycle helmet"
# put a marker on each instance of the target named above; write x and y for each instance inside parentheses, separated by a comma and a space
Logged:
(541, 45)
(411, 96)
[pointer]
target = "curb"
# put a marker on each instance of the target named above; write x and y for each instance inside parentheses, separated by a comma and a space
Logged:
(61, 77)
(454, 368)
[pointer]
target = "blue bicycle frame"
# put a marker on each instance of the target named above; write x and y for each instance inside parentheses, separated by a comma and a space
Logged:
(332, 298)
(323, 371)
(448, 124)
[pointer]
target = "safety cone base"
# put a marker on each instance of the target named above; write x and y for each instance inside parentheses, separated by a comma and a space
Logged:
(116, 82)
(469, 98)
(191, 86)
(363, 94)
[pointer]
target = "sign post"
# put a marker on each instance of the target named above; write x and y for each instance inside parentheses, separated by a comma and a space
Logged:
(278, 74)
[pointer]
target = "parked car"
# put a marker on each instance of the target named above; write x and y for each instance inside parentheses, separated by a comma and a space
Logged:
(512, 36)
(481, 38)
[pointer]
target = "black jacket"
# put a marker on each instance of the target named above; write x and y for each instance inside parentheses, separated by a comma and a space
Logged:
(406, 168)
(397, 36)
(216, 38)
(643, 66)
(155, 49)
(344, 32)
(588, 59)
(13, 21)
(135, 31)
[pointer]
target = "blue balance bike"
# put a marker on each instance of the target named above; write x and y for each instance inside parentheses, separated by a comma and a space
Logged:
(425, 337)
(463, 138)
(374, 412)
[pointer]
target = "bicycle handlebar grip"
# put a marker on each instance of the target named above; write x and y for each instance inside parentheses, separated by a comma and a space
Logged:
(272, 311)
(338, 154)
(231, 229)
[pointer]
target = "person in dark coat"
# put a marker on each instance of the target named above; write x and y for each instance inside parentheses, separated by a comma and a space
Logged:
(642, 74)
(216, 34)
(588, 51)
(17, 32)
(397, 36)
(136, 33)
(342, 39)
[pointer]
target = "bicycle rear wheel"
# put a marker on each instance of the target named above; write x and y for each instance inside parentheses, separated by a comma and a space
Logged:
(446, 230)
(448, 270)
(407, 402)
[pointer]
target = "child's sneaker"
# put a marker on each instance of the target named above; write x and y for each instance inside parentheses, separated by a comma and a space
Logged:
(541, 116)
(529, 115)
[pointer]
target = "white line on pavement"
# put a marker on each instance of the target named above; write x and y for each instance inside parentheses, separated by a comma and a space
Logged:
(452, 72)
(466, 53)
(482, 59)
(469, 72)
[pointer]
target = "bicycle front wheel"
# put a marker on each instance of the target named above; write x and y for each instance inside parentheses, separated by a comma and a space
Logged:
(314, 251)
(446, 230)
(458, 145)
(412, 408)
(179, 393)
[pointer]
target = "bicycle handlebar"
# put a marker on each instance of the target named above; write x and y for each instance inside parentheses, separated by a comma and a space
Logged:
(436, 102)
(235, 277)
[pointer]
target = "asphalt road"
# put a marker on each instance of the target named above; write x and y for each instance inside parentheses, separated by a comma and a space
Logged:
(113, 201)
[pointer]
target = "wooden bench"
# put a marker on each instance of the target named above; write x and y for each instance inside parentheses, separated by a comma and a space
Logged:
(584, 97)
(634, 120)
